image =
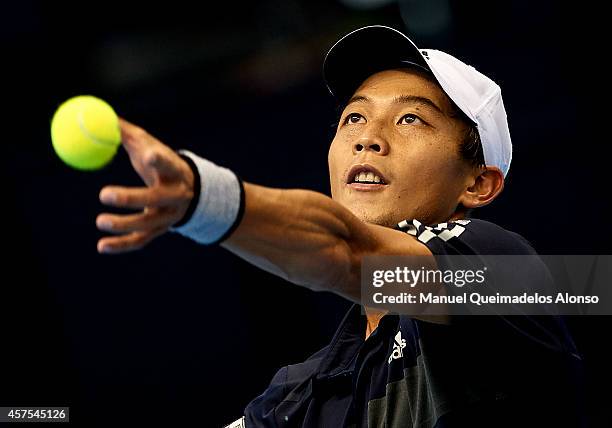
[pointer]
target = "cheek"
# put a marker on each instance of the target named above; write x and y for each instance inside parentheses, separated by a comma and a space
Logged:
(334, 164)
(331, 154)
(435, 159)
(430, 170)
(335, 155)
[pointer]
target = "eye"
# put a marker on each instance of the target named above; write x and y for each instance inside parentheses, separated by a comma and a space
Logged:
(354, 118)
(409, 119)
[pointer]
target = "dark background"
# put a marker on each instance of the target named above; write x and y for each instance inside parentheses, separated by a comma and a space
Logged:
(189, 334)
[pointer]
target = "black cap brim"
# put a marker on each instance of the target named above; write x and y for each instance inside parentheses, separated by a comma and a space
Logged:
(366, 51)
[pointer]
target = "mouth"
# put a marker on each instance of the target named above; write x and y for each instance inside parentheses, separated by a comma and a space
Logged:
(365, 177)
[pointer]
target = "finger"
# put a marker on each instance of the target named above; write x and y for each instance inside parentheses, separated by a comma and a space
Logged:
(124, 243)
(147, 220)
(141, 197)
(133, 137)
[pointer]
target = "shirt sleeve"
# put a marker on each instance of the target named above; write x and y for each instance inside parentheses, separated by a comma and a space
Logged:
(479, 237)
(467, 237)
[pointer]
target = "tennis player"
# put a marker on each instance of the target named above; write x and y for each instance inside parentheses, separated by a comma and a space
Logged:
(422, 140)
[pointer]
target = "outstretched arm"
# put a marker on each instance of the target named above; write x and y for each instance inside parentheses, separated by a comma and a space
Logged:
(309, 239)
(300, 235)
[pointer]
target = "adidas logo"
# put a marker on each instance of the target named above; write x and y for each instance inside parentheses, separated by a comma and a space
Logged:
(398, 347)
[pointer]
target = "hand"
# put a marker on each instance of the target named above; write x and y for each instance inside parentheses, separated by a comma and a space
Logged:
(162, 203)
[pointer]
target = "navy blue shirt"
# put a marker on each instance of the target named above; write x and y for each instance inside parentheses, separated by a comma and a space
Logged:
(480, 371)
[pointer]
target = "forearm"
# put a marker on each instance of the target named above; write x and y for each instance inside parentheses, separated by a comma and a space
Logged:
(302, 236)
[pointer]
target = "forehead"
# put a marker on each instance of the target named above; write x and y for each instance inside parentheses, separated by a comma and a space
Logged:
(386, 85)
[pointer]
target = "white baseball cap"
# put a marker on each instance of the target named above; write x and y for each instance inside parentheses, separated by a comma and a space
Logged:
(367, 50)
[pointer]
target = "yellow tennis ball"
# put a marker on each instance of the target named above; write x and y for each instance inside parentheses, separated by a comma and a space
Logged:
(85, 132)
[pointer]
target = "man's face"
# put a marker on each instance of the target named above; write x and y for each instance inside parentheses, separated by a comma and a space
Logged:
(399, 126)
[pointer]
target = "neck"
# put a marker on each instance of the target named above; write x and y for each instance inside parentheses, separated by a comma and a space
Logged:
(373, 318)
(374, 315)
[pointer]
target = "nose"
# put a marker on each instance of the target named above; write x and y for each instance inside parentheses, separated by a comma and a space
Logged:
(375, 144)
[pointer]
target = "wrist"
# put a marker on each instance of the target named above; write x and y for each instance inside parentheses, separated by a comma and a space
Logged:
(194, 184)
(217, 205)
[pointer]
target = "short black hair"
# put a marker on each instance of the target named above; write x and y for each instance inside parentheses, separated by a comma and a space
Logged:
(470, 148)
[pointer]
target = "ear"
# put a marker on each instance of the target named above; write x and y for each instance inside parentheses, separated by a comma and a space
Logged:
(487, 184)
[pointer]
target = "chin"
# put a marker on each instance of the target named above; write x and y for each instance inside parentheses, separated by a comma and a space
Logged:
(368, 215)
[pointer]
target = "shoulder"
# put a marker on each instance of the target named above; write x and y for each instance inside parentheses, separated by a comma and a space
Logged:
(468, 236)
